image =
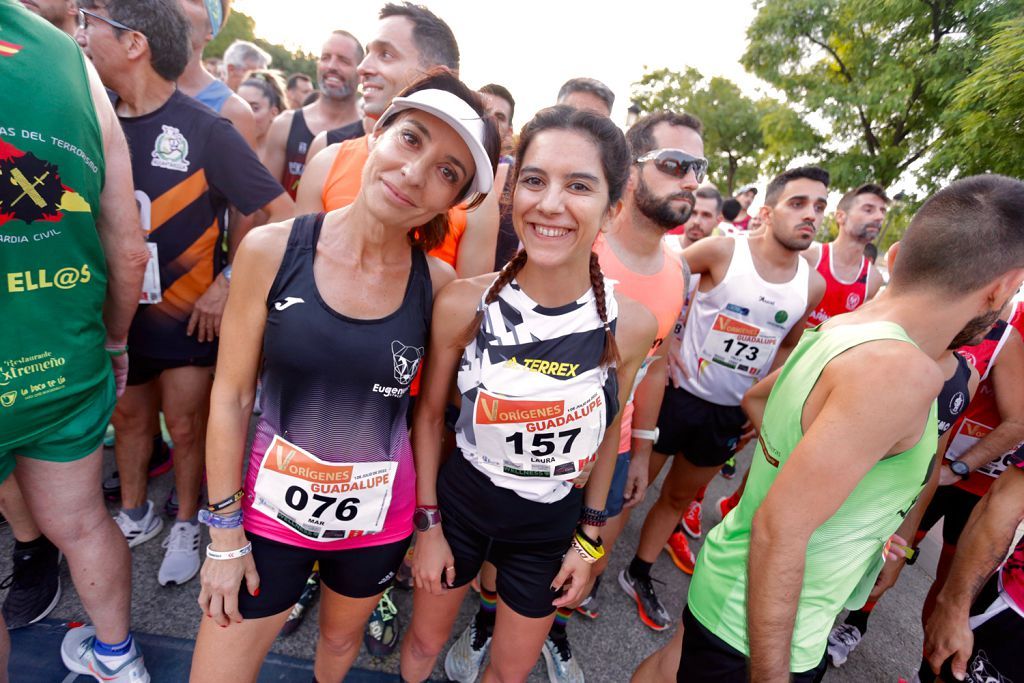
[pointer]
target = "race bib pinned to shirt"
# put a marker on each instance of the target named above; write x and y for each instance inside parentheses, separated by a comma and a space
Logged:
(322, 501)
(151, 292)
(739, 346)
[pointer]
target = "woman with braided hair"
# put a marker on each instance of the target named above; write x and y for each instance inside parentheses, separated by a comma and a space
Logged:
(545, 353)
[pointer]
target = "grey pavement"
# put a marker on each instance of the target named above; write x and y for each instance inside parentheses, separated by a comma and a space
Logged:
(609, 648)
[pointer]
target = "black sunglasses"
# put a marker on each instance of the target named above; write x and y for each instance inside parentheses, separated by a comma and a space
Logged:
(85, 15)
(676, 163)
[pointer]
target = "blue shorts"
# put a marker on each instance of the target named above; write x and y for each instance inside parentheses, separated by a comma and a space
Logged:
(617, 491)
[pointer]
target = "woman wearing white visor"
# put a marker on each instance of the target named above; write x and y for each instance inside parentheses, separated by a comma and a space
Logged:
(336, 310)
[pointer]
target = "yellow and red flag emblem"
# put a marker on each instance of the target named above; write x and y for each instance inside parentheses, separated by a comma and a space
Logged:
(8, 49)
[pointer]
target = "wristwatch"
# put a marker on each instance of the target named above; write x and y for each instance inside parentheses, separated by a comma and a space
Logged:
(425, 518)
(960, 469)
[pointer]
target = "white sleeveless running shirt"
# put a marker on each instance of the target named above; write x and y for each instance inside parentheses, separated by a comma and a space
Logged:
(734, 330)
(535, 400)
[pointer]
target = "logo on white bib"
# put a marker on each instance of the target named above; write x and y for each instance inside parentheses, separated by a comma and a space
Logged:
(288, 302)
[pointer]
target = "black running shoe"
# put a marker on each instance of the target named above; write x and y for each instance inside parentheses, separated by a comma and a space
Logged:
(34, 585)
(305, 602)
(649, 608)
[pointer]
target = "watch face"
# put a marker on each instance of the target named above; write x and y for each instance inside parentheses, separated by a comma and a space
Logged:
(959, 468)
(420, 520)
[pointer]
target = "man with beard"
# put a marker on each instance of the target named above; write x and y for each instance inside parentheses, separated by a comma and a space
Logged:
(744, 320)
(850, 279)
(838, 462)
(334, 112)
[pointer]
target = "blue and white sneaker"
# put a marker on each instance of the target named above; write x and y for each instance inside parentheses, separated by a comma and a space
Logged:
(79, 657)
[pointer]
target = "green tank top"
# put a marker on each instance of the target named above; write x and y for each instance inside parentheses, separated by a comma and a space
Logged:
(53, 275)
(844, 555)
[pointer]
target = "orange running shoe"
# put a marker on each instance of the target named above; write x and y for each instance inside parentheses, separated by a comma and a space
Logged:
(691, 520)
(726, 504)
(678, 548)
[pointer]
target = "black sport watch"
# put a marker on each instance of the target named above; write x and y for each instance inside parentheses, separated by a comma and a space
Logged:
(960, 469)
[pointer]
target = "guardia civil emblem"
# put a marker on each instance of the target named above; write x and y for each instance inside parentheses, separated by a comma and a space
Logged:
(171, 150)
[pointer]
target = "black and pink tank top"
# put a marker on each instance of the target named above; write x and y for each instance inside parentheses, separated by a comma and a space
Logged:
(331, 464)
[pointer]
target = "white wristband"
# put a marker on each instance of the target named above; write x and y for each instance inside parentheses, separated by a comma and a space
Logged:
(645, 434)
(228, 554)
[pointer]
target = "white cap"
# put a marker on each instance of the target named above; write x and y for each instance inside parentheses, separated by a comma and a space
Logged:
(462, 118)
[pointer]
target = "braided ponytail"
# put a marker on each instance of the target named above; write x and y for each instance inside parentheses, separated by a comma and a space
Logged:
(506, 276)
(610, 355)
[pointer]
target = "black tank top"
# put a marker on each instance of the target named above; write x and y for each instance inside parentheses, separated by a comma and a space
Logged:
(508, 241)
(954, 397)
(352, 130)
(299, 139)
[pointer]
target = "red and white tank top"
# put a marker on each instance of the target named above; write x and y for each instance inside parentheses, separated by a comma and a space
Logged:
(840, 297)
(982, 415)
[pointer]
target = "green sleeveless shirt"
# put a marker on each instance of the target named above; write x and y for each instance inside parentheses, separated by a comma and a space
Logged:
(844, 555)
(53, 275)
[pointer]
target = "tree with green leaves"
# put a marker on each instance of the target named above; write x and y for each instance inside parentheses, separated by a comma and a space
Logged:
(243, 27)
(880, 74)
(984, 124)
(743, 138)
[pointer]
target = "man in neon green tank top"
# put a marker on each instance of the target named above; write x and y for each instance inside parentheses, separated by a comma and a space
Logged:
(839, 461)
(71, 267)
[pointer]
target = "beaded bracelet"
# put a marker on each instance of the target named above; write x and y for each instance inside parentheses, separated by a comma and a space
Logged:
(593, 517)
(228, 554)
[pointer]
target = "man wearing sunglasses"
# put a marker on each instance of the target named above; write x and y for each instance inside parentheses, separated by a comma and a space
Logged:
(744, 319)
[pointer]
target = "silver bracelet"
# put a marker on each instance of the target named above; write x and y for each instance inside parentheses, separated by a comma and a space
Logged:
(228, 554)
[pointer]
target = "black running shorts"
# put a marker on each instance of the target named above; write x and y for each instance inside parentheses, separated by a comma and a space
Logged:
(953, 506)
(144, 369)
(283, 570)
(704, 433)
(706, 658)
(525, 540)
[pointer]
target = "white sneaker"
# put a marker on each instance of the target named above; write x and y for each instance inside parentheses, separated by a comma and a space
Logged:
(181, 561)
(843, 639)
(463, 661)
(77, 652)
(562, 667)
(142, 530)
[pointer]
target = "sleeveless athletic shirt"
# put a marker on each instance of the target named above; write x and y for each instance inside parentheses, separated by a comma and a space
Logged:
(844, 555)
(53, 274)
(840, 297)
(214, 95)
(955, 395)
(299, 139)
(345, 179)
(535, 400)
(661, 293)
(734, 330)
(336, 460)
(982, 415)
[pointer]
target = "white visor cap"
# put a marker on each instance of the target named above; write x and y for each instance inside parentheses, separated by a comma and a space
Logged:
(462, 118)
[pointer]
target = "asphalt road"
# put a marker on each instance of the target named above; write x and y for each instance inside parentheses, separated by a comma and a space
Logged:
(610, 648)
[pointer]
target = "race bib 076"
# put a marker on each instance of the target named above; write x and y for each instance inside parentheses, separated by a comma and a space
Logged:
(323, 501)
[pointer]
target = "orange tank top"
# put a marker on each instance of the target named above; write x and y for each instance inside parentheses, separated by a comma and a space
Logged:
(662, 294)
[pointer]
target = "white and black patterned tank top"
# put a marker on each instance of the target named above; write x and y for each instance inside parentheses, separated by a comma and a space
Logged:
(535, 400)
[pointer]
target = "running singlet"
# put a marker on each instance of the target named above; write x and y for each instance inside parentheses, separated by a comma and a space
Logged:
(345, 179)
(844, 555)
(955, 395)
(982, 415)
(342, 133)
(734, 330)
(840, 297)
(189, 164)
(331, 465)
(661, 294)
(295, 148)
(53, 273)
(214, 95)
(535, 400)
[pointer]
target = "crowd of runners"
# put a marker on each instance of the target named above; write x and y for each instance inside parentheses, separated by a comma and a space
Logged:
(379, 339)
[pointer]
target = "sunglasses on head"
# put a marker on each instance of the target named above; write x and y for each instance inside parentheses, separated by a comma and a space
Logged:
(676, 163)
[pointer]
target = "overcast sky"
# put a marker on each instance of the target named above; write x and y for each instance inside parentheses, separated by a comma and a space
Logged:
(532, 47)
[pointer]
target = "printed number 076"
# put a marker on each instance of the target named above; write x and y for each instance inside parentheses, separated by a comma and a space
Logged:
(297, 499)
